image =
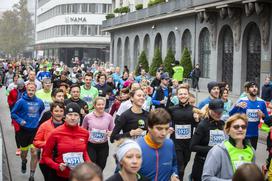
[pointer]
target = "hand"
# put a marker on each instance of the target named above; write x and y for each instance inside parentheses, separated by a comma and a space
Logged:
(174, 178)
(82, 111)
(107, 96)
(109, 133)
(62, 166)
(162, 102)
(260, 114)
(171, 130)
(136, 132)
(242, 105)
(23, 123)
(269, 105)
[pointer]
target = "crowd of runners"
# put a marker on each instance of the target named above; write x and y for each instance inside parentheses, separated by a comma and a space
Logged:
(66, 117)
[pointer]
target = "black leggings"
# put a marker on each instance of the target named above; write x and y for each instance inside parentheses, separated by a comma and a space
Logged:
(254, 142)
(198, 168)
(17, 139)
(46, 171)
(183, 158)
(99, 153)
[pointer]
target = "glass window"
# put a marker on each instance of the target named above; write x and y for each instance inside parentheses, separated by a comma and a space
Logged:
(104, 8)
(63, 9)
(84, 8)
(92, 8)
(98, 8)
(83, 30)
(68, 30)
(69, 8)
(75, 30)
(205, 52)
(75, 8)
(62, 30)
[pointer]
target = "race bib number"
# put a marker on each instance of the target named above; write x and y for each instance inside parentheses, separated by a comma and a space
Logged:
(252, 115)
(183, 131)
(216, 137)
(98, 135)
(72, 159)
(237, 164)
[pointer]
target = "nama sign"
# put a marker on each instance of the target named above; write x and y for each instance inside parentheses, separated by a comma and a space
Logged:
(75, 19)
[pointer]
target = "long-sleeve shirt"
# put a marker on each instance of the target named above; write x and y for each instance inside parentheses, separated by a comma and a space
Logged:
(98, 126)
(251, 110)
(63, 141)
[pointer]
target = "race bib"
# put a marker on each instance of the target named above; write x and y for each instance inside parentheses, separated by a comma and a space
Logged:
(216, 137)
(183, 131)
(252, 115)
(72, 159)
(98, 135)
(237, 164)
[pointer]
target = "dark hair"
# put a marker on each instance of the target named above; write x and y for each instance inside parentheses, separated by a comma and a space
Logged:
(57, 104)
(248, 172)
(101, 75)
(90, 74)
(158, 116)
(86, 172)
(132, 93)
(64, 84)
(55, 91)
(222, 90)
(74, 85)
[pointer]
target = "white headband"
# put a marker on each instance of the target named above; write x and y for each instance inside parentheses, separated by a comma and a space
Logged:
(125, 147)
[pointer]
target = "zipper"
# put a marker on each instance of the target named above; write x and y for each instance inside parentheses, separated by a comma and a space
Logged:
(157, 165)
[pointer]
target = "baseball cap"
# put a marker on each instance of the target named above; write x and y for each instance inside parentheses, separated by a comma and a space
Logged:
(72, 107)
(165, 76)
(216, 105)
(251, 83)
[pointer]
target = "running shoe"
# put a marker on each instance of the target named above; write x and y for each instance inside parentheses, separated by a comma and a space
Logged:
(18, 152)
(23, 168)
(31, 178)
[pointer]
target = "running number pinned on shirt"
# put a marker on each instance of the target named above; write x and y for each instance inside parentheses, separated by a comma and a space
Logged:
(98, 135)
(183, 131)
(216, 137)
(252, 115)
(72, 159)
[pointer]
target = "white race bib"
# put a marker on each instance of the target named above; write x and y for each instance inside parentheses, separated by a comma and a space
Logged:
(216, 137)
(183, 131)
(237, 164)
(252, 115)
(72, 159)
(98, 135)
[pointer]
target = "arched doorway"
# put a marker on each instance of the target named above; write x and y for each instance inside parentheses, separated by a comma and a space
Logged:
(146, 45)
(119, 52)
(253, 53)
(127, 53)
(186, 41)
(204, 52)
(227, 55)
(171, 42)
(136, 51)
(158, 42)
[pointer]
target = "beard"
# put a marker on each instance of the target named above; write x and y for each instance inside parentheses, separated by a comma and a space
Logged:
(253, 94)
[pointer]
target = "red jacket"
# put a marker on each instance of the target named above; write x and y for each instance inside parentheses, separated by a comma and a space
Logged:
(65, 139)
(13, 97)
(42, 135)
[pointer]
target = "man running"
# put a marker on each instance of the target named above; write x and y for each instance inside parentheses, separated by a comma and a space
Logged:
(27, 112)
(214, 90)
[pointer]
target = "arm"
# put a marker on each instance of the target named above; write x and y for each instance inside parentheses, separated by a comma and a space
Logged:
(117, 128)
(48, 152)
(39, 140)
(213, 166)
(266, 116)
(197, 137)
(174, 162)
(85, 122)
(85, 153)
(154, 97)
(12, 98)
(14, 115)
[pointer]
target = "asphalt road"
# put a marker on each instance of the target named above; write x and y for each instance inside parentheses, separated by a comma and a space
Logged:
(15, 161)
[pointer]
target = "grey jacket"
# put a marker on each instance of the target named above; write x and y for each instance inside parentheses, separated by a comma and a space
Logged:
(218, 166)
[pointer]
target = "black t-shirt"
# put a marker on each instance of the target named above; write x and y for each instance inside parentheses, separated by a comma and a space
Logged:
(183, 122)
(104, 90)
(117, 177)
(127, 122)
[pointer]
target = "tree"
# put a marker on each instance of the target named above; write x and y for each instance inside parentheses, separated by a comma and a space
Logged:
(143, 61)
(186, 62)
(168, 61)
(156, 62)
(16, 29)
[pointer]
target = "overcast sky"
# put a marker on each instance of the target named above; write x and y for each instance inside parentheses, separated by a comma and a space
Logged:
(7, 4)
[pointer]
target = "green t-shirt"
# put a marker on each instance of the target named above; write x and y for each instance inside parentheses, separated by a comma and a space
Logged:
(88, 95)
(45, 97)
(178, 73)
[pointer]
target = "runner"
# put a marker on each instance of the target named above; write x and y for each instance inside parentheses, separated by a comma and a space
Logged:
(27, 112)
(86, 172)
(66, 147)
(209, 132)
(87, 92)
(57, 112)
(133, 121)
(213, 88)
(255, 109)
(184, 123)
(159, 158)
(45, 93)
(32, 78)
(100, 125)
(104, 90)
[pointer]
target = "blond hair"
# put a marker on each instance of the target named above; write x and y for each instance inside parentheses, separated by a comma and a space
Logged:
(234, 118)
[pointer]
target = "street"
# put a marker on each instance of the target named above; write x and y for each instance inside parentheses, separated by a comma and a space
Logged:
(15, 162)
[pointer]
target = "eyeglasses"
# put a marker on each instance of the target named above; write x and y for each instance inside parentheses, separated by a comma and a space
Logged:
(236, 127)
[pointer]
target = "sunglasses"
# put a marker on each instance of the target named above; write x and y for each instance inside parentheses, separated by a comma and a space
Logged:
(236, 127)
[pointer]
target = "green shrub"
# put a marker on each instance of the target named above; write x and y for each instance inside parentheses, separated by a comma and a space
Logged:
(110, 15)
(124, 9)
(154, 2)
(168, 61)
(142, 60)
(186, 63)
(139, 6)
(116, 10)
(156, 62)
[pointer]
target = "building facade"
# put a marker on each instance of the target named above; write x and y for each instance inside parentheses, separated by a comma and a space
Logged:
(230, 39)
(71, 29)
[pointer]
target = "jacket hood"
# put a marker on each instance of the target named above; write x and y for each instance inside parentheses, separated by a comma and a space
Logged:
(27, 98)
